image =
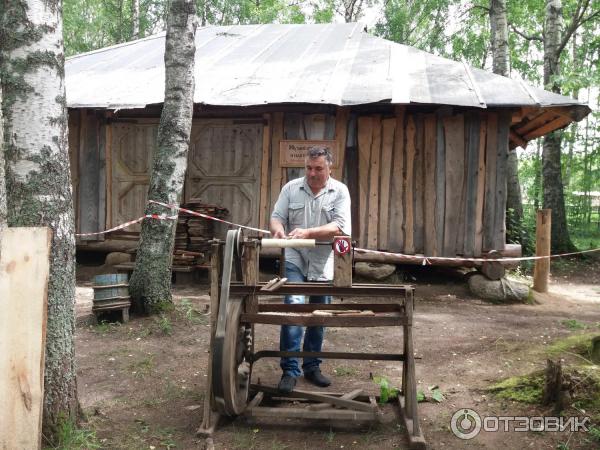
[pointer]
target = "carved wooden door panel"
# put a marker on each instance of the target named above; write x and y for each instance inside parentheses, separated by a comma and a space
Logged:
(132, 149)
(224, 167)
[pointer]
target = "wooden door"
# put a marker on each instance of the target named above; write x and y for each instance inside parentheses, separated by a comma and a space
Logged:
(132, 148)
(224, 167)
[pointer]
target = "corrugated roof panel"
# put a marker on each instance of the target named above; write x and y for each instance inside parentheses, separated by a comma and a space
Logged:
(321, 63)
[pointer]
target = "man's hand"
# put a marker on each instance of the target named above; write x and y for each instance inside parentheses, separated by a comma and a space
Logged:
(279, 234)
(299, 233)
(277, 230)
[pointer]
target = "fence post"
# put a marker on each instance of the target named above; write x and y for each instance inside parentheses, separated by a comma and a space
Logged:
(541, 270)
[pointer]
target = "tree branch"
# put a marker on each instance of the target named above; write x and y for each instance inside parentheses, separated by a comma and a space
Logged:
(576, 22)
(525, 36)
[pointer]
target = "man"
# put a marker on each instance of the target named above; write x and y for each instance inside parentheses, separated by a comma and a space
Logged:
(313, 207)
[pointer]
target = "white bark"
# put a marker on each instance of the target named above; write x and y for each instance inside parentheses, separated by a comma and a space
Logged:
(2, 182)
(135, 19)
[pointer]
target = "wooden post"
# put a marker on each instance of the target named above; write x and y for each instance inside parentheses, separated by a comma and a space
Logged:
(342, 262)
(250, 273)
(542, 248)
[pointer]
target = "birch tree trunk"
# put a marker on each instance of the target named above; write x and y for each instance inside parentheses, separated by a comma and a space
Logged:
(38, 183)
(151, 279)
(551, 155)
(500, 65)
(135, 19)
(2, 176)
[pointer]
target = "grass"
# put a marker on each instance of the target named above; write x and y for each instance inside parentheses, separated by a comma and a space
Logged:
(573, 324)
(579, 344)
(245, 439)
(187, 310)
(143, 367)
(330, 436)
(524, 388)
(70, 437)
(165, 325)
(343, 371)
(104, 327)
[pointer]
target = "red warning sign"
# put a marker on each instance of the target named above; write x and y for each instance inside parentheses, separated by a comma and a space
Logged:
(341, 246)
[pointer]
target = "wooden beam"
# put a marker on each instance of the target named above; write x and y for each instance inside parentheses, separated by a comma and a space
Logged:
(555, 124)
(341, 131)
(387, 149)
(365, 139)
(501, 163)
(24, 264)
(263, 218)
(545, 116)
(374, 184)
(480, 187)
(109, 171)
(472, 166)
(454, 133)
(541, 269)
(518, 140)
(419, 185)
(490, 181)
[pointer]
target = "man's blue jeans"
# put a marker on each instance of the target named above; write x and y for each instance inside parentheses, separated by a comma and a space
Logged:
(291, 335)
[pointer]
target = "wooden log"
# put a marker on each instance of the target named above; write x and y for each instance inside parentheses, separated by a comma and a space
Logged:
(365, 139)
(348, 396)
(493, 270)
(411, 131)
(263, 218)
(538, 121)
(490, 181)
(430, 236)
(480, 188)
(341, 131)
(374, 173)
(557, 123)
(24, 271)
(384, 183)
(419, 185)
(541, 270)
(454, 133)
(396, 235)
(276, 170)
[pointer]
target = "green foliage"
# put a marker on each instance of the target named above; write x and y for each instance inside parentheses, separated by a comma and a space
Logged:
(525, 388)
(187, 310)
(594, 433)
(164, 324)
(579, 344)
(70, 437)
(386, 392)
(573, 324)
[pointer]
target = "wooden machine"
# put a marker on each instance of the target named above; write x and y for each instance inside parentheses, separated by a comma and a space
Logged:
(235, 309)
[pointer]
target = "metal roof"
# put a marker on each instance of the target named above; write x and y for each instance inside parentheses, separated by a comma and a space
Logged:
(337, 64)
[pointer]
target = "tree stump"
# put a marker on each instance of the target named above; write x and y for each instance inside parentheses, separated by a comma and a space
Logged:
(556, 390)
(596, 349)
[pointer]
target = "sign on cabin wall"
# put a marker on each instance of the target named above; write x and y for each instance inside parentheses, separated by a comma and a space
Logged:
(292, 153)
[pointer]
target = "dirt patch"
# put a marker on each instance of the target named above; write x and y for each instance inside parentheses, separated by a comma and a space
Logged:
(142, 384)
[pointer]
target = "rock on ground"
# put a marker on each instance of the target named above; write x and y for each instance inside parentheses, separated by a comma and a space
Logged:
(500, 290)
(374, 271)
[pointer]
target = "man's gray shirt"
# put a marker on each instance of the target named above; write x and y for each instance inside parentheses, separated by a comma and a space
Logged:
(298, 207)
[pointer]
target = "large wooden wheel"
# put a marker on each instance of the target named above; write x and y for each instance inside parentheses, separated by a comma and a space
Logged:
(236, 364)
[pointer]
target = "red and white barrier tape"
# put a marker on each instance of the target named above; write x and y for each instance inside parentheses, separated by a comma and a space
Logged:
(427, 259)
(206, 216)
(131, 222)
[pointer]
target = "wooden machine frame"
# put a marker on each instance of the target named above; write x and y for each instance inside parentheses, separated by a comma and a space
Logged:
(235, 308)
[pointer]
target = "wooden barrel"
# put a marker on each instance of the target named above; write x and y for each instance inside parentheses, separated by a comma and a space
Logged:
(110, 287)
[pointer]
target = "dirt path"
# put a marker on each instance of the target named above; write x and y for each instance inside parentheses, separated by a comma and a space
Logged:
(142, 383)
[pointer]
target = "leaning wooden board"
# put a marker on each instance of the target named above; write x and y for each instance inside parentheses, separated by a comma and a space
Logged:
(23, 301)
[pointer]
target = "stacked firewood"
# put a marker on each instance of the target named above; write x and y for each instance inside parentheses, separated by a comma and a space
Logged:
(194, 233)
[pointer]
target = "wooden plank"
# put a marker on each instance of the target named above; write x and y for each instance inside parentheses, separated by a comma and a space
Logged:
(430, 233)
(440, 181)
(480, 188)
(24, 270)
(387, 148)
(490, 182)
(396, 215)
(263, 217)
(499, 238)
(102, 179)
(109, 171)
(74, 124)
(472, 163)
(341, 131)
(303, 413)
(373, 218)
(411, 131)
(310, 307)
(310, 320)
(454, 134)
(537, 122)
(351, 172)
(276, 170)
(348, 396)
(365, 139)
(419, 186)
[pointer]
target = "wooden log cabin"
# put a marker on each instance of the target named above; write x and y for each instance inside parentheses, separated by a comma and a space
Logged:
(421, 141)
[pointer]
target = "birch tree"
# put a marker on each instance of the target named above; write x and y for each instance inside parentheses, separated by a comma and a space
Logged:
(2, 177)
(38, 184)
(501, 65)
(151, 279)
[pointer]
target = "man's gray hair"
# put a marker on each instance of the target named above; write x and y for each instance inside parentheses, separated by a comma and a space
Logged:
(316, 152)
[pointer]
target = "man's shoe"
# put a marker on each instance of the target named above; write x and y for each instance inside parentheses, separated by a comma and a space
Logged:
(317, 378)
(286, 384)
